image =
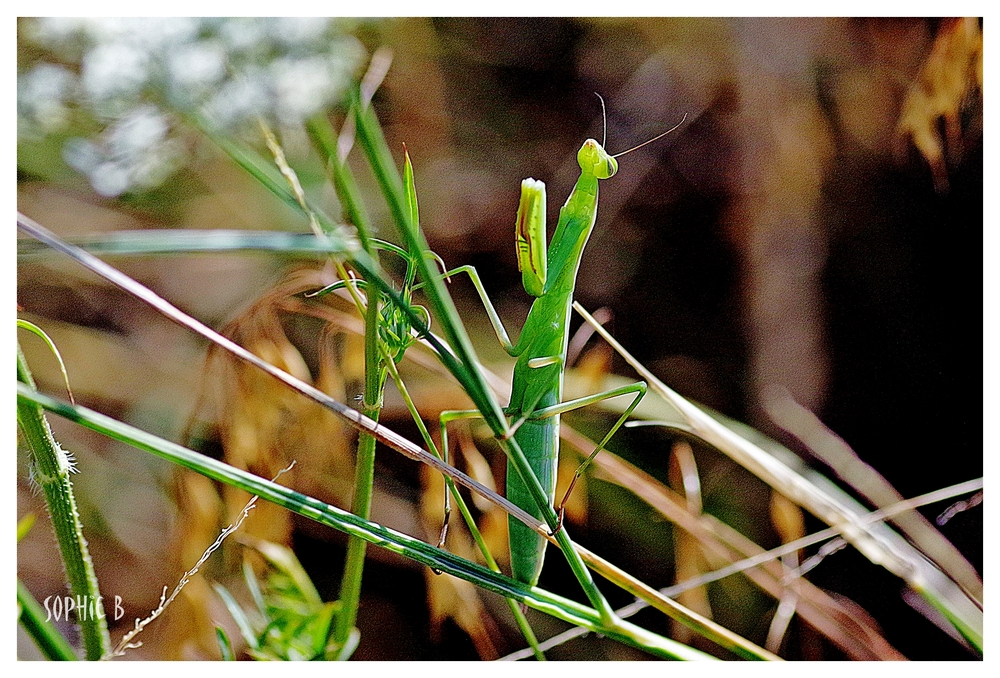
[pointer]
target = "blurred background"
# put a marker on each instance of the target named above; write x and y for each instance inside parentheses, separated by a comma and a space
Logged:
(815, 223)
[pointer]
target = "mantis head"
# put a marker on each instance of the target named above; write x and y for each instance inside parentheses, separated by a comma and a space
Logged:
(595, 160)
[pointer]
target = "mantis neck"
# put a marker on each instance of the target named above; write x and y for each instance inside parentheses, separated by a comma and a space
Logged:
(576, 221)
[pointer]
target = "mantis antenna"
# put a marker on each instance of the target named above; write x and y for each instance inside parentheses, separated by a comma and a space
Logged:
(649, 141)
(604, 116)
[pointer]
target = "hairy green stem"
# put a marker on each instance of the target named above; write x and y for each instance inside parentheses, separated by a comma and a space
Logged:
(51, 470)
(364, 474)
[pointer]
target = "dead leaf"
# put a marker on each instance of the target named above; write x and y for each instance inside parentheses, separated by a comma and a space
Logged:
(947, 81)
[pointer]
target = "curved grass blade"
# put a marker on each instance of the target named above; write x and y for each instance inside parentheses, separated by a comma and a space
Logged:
(225, 647)
(39, 332)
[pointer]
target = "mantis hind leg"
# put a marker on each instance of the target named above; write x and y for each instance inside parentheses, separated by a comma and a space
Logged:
(639, 388)
(447, 416)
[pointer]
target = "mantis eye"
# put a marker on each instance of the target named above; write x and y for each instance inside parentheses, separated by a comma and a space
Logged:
(610, 168)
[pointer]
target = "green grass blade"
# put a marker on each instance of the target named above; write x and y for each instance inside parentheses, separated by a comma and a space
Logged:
(261, 169)
(322, 629)
(967, 630)
(46, 636)
(39, 332)
(254, 587)
(239, 616)
(24, 526)
(225, 647)
(283, 559)
(324, 139)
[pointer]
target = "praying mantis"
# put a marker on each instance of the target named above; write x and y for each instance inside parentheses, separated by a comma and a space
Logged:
(548, 274)
(531, 432)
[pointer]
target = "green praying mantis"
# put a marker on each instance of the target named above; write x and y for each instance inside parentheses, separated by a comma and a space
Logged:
(548, 274)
